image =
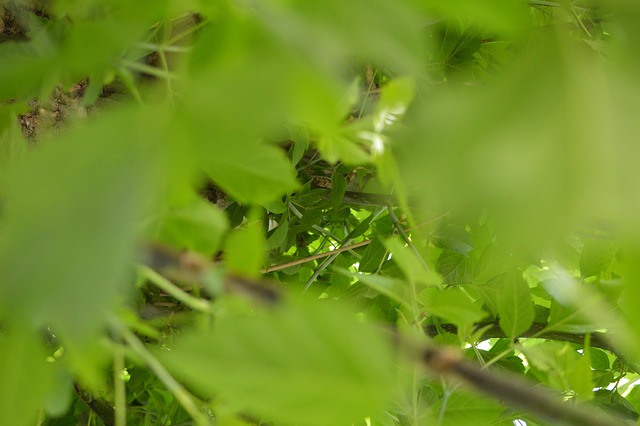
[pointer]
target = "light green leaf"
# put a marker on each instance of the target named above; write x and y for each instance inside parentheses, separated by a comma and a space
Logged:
(596, 256)
(515, 307)
(26, 378)
(452, 305)
(301, 141)
(580, 378)
(337, 147)
(505, 16)
(306, 364)
(560, 366)
(245, 250)
(453, 238)
(251, 173)
(463, 409)
(196, 226)
(74, 206)
(408, 263)
(391, 287)
(454, 267)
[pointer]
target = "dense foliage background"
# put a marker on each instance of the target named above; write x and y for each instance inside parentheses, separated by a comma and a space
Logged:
(319, 212)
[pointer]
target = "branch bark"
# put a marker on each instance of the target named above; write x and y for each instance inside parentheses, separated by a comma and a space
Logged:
(493, 330)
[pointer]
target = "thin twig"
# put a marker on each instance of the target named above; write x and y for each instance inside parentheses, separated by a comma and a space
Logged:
(340, 249)
(333, 257)
(315, 257)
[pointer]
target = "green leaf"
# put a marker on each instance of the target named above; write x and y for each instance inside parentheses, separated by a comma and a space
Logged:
(408, 262)
(279, 235)
(251, 173)
(338, 188)
(454, 267)
(452, 305)
(373, 256)
(245, 250)
(462, 409)
(596, 256)
(599, 359)
(75, 206)
(196, 226)
(505, 16)
(306, 364)
(391, 287)
(26, 378)
(515, 307)
(580, 379)
(337, 147)
(452, 238)
(301, 142)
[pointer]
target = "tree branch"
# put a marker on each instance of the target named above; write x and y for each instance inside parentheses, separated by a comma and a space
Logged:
(493, 330)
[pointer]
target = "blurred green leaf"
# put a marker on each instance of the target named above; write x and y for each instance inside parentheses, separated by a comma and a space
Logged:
(304, 364)
(503, 16)
(452, 305)
(596, 256)
(245, 250)
(460, 408)
(197, 226)
(453, 238)
(74, 206)
(408, 262)
(26, 377)
(251, 173)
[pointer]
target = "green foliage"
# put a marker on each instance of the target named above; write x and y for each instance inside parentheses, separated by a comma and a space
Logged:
(428, 173)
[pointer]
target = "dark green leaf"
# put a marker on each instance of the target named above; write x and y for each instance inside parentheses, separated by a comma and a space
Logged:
(372, 257)
(338, 188)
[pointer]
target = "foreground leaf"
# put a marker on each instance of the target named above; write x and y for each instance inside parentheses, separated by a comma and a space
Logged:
(305, 364)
